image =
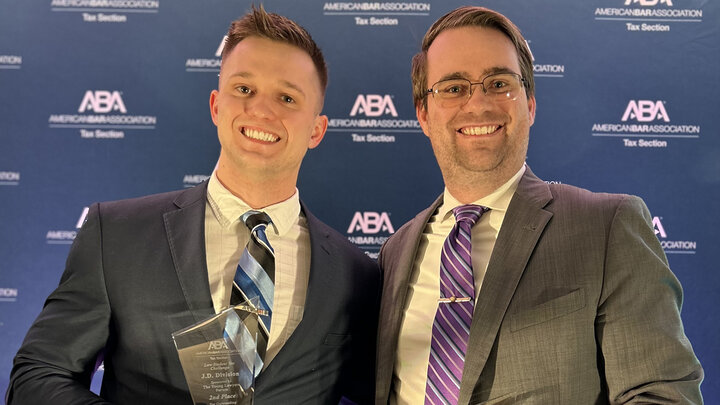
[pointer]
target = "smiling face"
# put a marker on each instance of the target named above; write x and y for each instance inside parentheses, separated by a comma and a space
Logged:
(266, 110)
(484, 139)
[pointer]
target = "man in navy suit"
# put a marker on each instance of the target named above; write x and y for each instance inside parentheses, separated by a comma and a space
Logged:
(144, 268)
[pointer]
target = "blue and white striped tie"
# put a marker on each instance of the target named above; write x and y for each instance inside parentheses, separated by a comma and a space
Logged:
(255, 276)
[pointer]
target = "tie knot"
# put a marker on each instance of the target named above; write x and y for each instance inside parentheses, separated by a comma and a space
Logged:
(469, 213)
(254, 218)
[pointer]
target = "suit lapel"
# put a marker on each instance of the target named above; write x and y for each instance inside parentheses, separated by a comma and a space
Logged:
(521, 229)
(185, 229)
(323, 270)
(323, 266)
(397, 268)
(321, 280)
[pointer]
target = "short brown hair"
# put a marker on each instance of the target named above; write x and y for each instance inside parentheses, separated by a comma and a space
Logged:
(259, 23)
(463, 17)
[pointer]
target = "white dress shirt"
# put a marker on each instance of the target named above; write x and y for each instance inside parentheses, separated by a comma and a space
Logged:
(413, 351)
(225, 239)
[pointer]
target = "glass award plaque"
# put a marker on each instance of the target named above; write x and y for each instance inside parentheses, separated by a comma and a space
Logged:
(219, 356)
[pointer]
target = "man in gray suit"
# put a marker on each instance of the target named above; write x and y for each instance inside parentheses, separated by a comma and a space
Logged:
(143, 268)
(574, 302)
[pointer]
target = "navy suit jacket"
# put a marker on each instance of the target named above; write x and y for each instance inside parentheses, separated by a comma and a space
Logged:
(137, 272)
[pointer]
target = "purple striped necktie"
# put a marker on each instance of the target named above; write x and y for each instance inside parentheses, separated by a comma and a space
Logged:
(451, 327)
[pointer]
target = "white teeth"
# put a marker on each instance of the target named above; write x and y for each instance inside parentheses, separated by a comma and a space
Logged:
(260, 135)
(479, 130)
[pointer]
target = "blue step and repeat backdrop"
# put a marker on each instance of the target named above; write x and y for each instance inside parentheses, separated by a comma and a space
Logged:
(108, 99)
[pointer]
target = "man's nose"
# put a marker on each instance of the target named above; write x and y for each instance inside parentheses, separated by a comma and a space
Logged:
(260, 106)
(478, 97)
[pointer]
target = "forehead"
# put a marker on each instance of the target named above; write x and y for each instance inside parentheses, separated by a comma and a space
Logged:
(272, 61)
(471, 51)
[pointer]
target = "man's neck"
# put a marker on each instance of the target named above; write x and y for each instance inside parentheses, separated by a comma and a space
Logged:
(258, 192)
(468, 188)
(471, 191)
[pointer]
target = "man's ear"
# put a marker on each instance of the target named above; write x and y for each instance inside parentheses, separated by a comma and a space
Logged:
(318, 131)
(531, 110)
(421, 113)
(214, 106)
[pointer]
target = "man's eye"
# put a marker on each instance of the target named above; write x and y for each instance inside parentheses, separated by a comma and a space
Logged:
(454, 89)
(498, 84)
(287, 99)
(244, 89)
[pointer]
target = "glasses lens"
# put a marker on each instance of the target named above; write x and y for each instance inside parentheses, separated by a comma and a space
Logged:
(503, 86)
(452, 91)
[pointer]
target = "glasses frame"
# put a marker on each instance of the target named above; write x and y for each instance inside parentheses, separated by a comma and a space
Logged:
(520, 78)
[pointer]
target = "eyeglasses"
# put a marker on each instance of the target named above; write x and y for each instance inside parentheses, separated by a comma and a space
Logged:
(499, 87)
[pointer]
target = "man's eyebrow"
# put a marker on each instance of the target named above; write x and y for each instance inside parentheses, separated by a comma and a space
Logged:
(285, 83)
(246, 75)
(292, 86)
(487, 72)
(497, 69)
(454, 75)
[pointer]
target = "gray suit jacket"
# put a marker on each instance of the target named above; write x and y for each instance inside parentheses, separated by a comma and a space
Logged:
(137, 272)
(578, 306)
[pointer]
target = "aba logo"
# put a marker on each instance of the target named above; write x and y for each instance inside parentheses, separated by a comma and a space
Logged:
(647, 3)
(217, 345)
(218, 53)
(102, 101)
(658, 226)
(532, 57)
(672, 246)
(371, 222)
(207, 64)
(646, 111)
(373, 105)
(83, 218)
(67, 236)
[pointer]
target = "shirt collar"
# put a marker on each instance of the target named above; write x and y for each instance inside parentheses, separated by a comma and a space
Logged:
(228, 208)
(497, 201)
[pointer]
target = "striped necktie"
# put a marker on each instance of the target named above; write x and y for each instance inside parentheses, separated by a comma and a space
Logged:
(451, 328)
(255, 276)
